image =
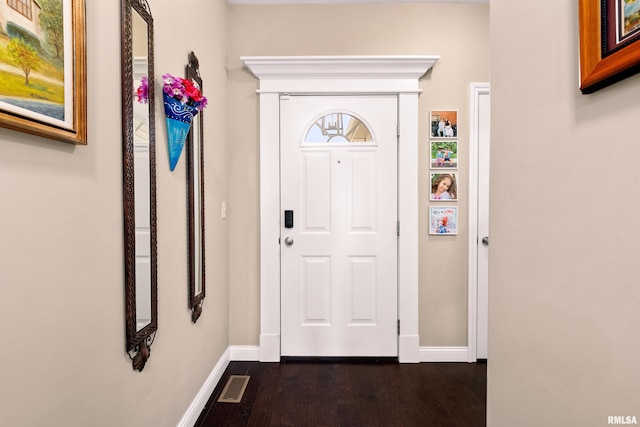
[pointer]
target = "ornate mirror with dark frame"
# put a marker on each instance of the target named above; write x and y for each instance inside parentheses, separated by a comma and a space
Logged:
(139, 180)
(195, 199)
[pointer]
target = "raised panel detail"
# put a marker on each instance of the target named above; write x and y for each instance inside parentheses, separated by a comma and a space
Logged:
(362, 194)
(316, 289)
(316, 175)
(364, 289)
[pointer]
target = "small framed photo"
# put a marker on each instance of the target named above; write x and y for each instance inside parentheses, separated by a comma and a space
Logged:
(444, 186)
(443, 220)
(444, 154)
(444, 123)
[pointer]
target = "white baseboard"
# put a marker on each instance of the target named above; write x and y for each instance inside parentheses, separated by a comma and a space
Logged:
(195, 409)
(247, 353)
(443, 354)
(250, 353)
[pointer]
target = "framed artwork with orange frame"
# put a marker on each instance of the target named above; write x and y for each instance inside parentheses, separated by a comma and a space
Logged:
(609, 42)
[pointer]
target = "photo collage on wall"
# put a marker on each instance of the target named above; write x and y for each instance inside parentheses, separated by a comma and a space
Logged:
(443, 163)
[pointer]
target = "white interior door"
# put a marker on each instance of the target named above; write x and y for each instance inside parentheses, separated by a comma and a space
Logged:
(484, 109)
(338, 159)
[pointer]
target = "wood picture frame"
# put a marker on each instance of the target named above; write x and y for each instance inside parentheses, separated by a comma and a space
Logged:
(606, 57)
(44, 93)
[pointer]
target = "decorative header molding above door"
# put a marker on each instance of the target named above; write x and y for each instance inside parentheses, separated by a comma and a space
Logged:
(385, 67)
(321, 74)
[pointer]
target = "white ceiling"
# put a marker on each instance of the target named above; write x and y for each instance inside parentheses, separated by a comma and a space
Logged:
(348, 1)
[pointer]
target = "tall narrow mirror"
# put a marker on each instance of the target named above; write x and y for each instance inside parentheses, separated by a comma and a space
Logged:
(139, 180)
(195, 199)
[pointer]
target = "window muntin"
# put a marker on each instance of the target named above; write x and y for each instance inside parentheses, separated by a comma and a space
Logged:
(338, 127)
(22, 6)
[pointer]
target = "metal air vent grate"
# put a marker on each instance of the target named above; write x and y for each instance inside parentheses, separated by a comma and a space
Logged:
(234, 389)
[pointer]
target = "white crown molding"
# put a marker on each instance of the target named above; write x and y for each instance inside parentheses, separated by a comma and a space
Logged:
(381, 67)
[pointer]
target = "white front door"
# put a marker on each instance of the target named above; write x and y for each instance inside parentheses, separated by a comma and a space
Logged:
(338, 192)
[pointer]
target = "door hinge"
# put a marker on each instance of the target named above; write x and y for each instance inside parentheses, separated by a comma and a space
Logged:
(398, 327)
(398, 130)
(284, 97)
(398, 228)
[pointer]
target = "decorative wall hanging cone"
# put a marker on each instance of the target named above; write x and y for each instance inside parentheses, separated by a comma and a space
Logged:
(179, 117)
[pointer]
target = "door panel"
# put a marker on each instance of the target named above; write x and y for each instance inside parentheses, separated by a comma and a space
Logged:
(339, 267)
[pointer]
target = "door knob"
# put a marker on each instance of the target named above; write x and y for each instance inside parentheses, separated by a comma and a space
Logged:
(288, 241)
(485, 240)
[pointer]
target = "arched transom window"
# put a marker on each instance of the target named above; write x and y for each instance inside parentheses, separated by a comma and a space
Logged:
(338, 127)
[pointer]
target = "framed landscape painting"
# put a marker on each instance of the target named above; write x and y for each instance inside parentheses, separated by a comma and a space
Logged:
(609, 42)
(43, 68)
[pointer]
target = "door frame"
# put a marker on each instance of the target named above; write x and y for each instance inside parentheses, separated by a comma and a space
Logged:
(475, 91)
(339, 75)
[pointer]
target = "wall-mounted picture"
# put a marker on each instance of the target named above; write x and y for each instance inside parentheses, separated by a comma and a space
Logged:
(443, 220)
(444, 186)
(628, 18)
(444, 124)
(43, 68)
(609, 42)
(444, 154)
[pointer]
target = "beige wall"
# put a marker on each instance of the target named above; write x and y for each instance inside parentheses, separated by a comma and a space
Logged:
(459, 33)
(564, 294)
(62, 358)
(563, 332)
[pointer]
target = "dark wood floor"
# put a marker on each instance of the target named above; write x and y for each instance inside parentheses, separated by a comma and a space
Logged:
(351, 394)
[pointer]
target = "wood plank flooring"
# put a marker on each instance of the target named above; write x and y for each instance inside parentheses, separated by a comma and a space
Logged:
(367, 393)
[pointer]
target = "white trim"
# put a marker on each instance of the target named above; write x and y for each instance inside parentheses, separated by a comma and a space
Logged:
(202, 397)
(244, 353)
(408, 162)
(283, 68)
(348, 1)
(443, 354)
(475, 90)
(339, 75)
(269, 228)
(409, 348)
(251, 353)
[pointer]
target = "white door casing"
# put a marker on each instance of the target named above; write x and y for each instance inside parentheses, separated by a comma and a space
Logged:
(339, 75)
(479, 142)
(339, 252)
